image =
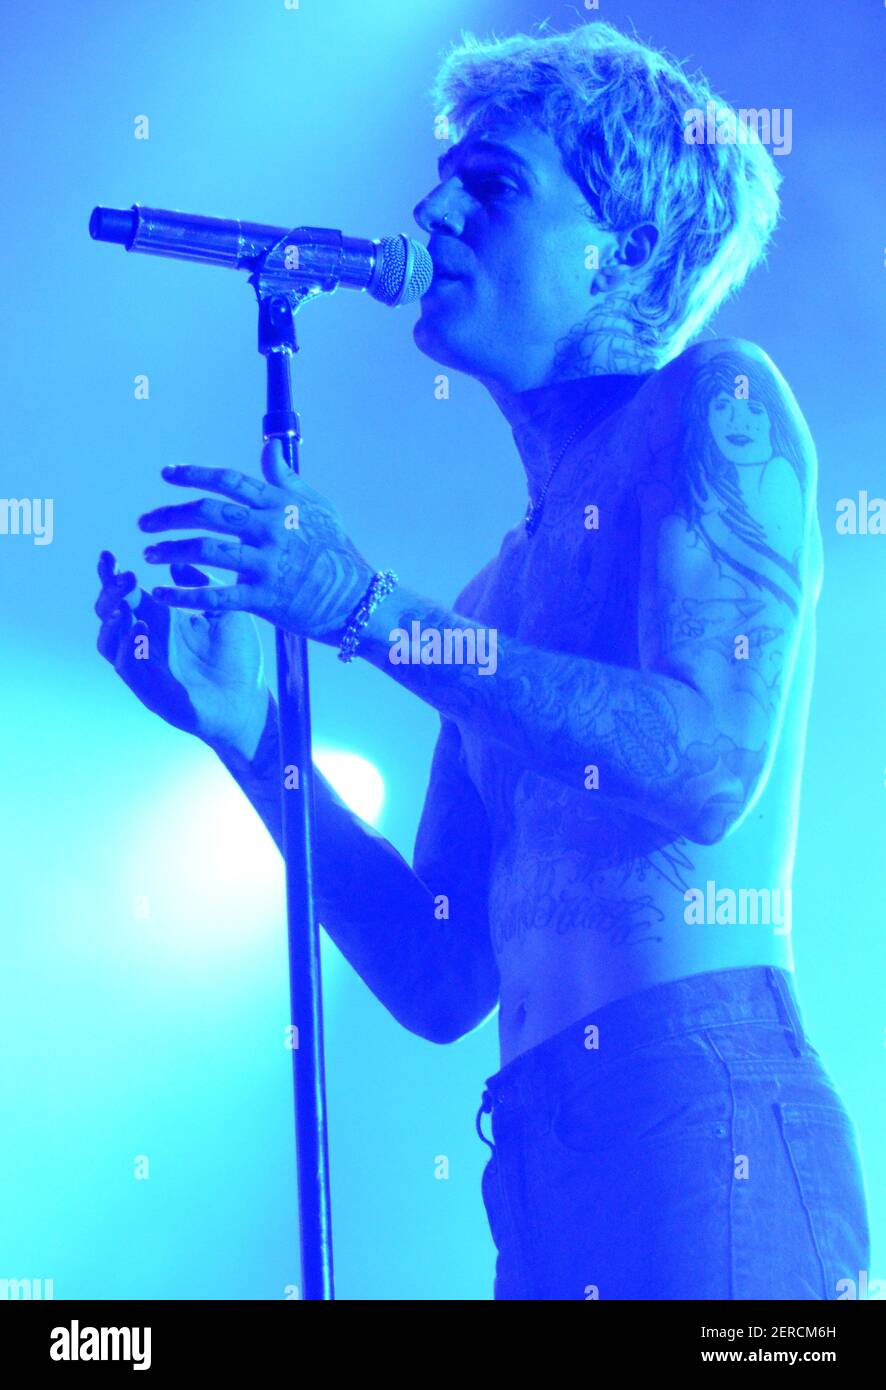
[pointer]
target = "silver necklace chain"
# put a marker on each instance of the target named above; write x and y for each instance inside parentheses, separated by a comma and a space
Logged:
(535, 509)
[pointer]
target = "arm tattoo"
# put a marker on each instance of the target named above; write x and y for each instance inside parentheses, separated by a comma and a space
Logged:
(685, 741)
(726, 439)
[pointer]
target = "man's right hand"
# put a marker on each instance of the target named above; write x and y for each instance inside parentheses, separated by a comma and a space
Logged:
(203, 673)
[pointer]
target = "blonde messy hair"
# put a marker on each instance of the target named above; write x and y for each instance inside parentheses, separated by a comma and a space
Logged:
(617, 110)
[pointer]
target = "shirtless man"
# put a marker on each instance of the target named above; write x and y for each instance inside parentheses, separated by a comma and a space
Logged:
(612, 809)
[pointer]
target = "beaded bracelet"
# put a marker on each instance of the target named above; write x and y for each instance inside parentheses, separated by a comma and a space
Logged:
(381, 584)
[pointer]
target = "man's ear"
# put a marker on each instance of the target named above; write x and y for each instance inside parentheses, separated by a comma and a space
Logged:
(638, 245)
(629, 250)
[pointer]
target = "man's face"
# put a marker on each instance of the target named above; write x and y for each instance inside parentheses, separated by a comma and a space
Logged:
(509, 231)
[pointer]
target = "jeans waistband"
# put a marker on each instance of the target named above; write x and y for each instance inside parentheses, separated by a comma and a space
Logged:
(755, 994)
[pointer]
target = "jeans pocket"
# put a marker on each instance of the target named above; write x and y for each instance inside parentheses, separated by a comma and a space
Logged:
(672, 1093)
(823, 1151)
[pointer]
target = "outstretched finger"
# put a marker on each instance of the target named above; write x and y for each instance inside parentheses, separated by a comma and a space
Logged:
(213, 597)
(228, 481)
(208, 550)
(203, 514)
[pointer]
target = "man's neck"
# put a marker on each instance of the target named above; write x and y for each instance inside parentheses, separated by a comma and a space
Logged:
(594, 369)
(545, 417)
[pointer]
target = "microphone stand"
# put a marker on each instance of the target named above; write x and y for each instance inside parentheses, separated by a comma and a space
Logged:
(278, 302)
(394, 271)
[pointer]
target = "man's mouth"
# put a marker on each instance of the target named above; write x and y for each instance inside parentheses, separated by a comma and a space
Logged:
(445, 258)
(444, 280)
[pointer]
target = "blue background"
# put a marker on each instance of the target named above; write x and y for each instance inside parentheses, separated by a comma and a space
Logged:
(163, 1036)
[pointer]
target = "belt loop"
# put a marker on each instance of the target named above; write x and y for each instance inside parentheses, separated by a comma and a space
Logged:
(790, 1018)
(485, 1109)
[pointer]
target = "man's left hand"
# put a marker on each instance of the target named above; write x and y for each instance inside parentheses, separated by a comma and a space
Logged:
(294, 563)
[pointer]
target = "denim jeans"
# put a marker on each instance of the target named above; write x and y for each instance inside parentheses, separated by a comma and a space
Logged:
(682, 1143)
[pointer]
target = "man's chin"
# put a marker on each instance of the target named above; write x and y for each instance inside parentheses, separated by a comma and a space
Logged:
(432, 339)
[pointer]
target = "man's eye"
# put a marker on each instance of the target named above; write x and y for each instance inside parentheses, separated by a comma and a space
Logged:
(488, 186)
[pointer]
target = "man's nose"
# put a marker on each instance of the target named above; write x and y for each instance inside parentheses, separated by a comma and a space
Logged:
(439, 212)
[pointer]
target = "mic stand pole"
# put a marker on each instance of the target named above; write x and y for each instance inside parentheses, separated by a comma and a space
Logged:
(277, 343)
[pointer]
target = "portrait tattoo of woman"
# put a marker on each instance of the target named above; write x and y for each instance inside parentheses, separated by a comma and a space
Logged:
(736, 420)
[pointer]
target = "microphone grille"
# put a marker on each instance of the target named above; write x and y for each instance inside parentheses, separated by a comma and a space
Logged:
(403, 272)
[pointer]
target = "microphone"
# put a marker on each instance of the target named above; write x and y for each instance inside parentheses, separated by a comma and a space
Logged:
(393, 270)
